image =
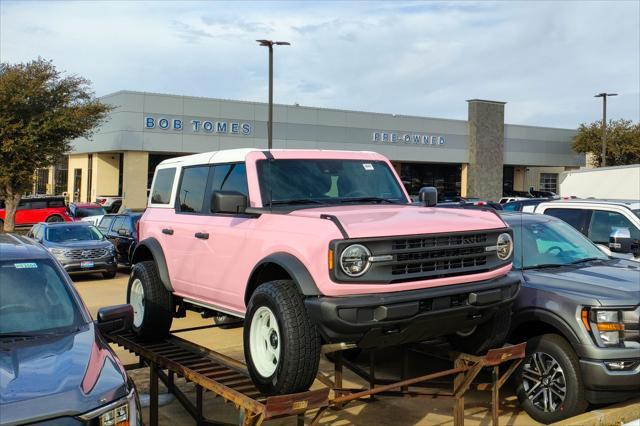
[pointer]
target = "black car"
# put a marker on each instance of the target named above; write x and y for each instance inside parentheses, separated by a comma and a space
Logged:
(527, 206)
(121, 231)
(79, 246)
(579, 312)
(55, 366)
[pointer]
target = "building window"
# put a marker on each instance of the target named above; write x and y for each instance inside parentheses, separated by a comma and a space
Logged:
(42, 179)
(549, 182)
(444, 177)
(60, 176)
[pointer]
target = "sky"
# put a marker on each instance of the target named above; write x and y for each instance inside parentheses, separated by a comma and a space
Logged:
(546, 59)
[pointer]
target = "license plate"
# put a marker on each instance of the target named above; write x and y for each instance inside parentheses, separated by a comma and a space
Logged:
(86, 264)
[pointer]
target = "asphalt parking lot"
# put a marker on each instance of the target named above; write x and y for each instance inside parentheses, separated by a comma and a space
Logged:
(98, 292)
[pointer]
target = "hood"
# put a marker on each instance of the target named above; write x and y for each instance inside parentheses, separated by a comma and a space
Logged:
(84, 244)
(61, 375)
(611, 282)
(386, 220)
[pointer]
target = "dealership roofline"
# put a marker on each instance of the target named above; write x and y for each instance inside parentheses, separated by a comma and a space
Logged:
(137, 92)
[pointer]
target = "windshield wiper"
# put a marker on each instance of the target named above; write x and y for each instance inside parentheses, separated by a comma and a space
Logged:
(298, 201)
(588, 259)
(366, 199)
(545, 265)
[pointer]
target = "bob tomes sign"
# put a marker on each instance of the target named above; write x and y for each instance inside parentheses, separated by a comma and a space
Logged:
(198, 125)
(407, 138)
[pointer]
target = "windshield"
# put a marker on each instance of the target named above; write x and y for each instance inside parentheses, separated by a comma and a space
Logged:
(63, 233)
(89, 211)
(550, 243)
(327, 182)
(34, 299)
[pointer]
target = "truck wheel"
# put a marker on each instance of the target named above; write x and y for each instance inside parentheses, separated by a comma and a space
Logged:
(549, 383)
(488, 335)
(152, 303)
(281, 345)
(54, 218)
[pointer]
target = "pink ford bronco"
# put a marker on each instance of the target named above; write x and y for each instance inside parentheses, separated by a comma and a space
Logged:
(313, 247)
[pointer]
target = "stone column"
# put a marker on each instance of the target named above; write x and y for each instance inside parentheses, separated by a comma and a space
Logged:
(486, 149)
(134, 179)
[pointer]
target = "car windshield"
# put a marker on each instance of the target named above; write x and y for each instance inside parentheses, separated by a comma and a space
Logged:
(89, 211)
(64, 233)
(328, 182)
(550, 243)
(34, 299)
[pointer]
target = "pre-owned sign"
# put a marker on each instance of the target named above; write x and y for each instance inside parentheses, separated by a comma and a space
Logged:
(408, 138)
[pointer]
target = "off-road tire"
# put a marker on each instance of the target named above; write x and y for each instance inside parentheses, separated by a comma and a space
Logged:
(300, 342)
(158, 302)
(109, 275)
(575, 402)
(488, 335)
(54, 219)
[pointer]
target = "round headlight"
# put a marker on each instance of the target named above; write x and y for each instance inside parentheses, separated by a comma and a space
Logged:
(354, 260)
(504, 246)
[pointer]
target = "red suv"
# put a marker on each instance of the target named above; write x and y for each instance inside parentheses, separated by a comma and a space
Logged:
(38, 209)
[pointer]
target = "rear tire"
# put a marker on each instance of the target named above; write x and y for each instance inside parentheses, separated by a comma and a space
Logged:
(488, 335)
(152, 303)
(281, 344)
(549, 382)
(54, 219)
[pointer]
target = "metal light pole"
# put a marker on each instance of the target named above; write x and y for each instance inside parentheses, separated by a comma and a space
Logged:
(270, 44)
(604, 125)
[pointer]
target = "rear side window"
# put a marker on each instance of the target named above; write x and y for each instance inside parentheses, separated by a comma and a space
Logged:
(574, 217)
(192, 188)
(56, 203)
(510, 207)
(38, 204)
(162, 185)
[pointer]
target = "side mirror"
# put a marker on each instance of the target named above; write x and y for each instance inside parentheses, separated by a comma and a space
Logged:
(123, 232)
(428, 195)
(231, 202)
(620, 240)
(115, 319)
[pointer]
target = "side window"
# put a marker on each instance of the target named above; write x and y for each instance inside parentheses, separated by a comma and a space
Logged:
(162, 185)
(55, 203)
(236, 179)
(39, 233)
(603, 223)
(24, 205)
(510, 207)
(104, 223)
(38, 204)
(574, 217)
(118, 224)
(192, 188)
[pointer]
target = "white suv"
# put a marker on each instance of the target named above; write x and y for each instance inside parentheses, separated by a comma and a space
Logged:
(614, 225)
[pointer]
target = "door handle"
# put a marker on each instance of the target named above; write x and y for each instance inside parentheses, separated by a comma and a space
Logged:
(167, 231)
(202, 235)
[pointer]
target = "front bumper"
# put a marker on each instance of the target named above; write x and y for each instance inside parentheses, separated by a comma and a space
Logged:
(108, 264)
(388, 319)
(607, 386)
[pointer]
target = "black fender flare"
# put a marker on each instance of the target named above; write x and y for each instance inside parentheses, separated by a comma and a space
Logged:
(548, 317)
(153, 246)
(293, 266)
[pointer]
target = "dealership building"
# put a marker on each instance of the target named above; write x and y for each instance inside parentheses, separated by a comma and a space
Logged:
(479, 157)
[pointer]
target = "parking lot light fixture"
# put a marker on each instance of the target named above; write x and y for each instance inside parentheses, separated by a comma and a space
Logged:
(604, 95)
(270, 44)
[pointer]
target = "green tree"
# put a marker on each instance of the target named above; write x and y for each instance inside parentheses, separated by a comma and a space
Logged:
(623, 142)
(41, 111)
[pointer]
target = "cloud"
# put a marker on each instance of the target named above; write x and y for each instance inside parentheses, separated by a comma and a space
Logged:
(545, 59)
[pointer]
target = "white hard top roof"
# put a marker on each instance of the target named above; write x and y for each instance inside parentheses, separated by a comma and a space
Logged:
(631, 204)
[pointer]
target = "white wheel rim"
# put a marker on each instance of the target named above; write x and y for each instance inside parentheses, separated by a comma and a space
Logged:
(264, 341)
(136, 300)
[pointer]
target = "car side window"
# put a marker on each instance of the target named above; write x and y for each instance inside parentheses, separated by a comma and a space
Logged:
(55, 203)
(192, 189)
(574, 217)
(24, 205)
(38, 204)
(39, 233)
(510, 207)
(236, 180)
(603, 223)
(118, 224)
(162, 186)
(105, 223)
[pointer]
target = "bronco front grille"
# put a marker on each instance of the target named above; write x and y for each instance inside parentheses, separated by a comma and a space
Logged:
(423, 257)
(83, 254)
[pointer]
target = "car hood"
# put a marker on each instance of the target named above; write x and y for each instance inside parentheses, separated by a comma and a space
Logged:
(612, 282)
(84, 244)
(385, 220)
(61, 375)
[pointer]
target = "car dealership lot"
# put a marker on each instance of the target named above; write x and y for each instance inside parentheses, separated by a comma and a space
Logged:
(98, 292)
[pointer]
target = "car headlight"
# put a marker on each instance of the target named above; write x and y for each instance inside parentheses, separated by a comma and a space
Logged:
(504, 246)
(608, 327)
(123, 412)
(354, 260)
